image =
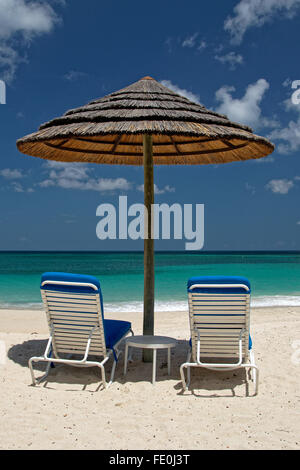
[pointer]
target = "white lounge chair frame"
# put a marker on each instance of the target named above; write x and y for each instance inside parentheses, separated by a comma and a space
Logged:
(76, 327)
(219, 328)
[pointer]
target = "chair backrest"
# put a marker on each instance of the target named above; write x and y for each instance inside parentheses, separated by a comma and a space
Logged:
(73, 305)
(219, 308)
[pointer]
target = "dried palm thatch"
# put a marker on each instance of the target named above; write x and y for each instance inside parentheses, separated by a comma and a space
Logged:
(110, 130)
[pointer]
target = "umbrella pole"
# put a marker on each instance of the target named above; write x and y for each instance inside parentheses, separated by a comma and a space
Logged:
(148, 326)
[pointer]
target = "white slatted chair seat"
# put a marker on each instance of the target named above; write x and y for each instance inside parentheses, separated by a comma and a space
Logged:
(74, 310)
(219, 314)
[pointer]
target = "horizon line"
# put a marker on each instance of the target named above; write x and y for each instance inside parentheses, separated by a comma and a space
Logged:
(157, 251)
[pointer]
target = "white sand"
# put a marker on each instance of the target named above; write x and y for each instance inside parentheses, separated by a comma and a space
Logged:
(219, 412)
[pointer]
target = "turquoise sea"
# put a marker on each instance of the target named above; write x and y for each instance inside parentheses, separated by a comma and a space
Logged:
(275, 276)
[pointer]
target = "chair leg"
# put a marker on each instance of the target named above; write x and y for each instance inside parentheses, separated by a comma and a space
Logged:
(103, 375)
(46, 373)
(31, 369)
(38, 359)
(255, 377)
(125, 359)
(184, 385)
(254, 371)
(112, 375)
(131, 349)
(189, 369)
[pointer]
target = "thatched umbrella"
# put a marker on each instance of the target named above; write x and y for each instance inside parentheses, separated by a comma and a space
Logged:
(145, 124)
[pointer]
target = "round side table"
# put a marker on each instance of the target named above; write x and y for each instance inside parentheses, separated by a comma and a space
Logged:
(150, 342)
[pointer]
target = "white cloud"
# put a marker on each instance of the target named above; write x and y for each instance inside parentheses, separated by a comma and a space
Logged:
(46, 183)
(255, 13)
(9, 173)
(9, 61)
(202, 45)
(245, 110)
(70, 171)
(287, 82)
(181, 91)
(280, 186)
(232, 59)
(157, 190)
(193, 42)
(249, 187)
(288, 136)
(219, 48)
(101, 184)
(17, 187)
(24, 17)
(20, 22)
(14, 176)
(268, 159)
(169, 44)
(290, 106)
(190, 41)
(77, 176)
(74, 75)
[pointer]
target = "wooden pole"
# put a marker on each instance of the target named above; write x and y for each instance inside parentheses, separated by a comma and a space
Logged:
(148, 326)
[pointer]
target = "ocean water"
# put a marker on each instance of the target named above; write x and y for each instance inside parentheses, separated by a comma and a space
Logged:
(275, 277)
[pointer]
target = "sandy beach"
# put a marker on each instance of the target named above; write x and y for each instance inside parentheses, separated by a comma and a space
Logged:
(71, 411)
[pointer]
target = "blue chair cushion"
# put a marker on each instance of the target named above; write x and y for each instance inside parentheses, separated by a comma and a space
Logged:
(218, 280)
(68, 277)
(114, 330)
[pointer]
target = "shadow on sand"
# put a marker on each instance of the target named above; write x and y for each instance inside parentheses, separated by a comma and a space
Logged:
(203, 381)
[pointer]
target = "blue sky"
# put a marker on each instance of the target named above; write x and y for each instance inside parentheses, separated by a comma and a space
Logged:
(237, 57)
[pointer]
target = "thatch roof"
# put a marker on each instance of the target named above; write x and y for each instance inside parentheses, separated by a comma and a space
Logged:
(110, 129)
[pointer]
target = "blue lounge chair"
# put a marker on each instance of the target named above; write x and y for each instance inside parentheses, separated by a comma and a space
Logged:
(219, 311)
(74, 310)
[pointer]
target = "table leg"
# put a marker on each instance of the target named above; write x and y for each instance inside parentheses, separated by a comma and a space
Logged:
(154, 367)
(169, 361)
(125, 359)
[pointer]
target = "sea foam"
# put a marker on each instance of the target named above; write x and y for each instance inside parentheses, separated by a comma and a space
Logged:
(168, 306)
